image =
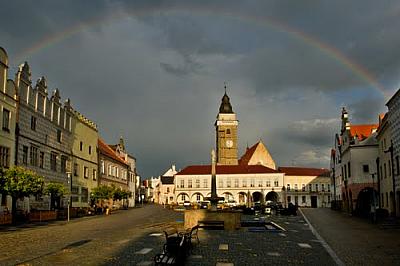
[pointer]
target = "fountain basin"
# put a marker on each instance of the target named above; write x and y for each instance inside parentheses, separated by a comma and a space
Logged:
(230, 218)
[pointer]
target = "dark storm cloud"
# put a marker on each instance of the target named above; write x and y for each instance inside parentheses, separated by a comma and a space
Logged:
(316, 132)
(157, 77)
(366, 110)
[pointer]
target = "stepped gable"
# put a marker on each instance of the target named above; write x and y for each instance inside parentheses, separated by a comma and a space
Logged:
(227, 169)
(258, 154)
(362, 131)
(108, 151)
(303, 171)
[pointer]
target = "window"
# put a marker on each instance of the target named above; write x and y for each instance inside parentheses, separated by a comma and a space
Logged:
(167, 189)
(228, 183)
(25, 155)
(117, 172)
(84, 194)
(252, 183)
(268, 183)
(205, 183)
(309, 187)
(236, 182)
(289, 199)
(41, 160)
(220, 183)
(53, 161)
(34, 156)
(295, 187)
(288, 187)
(76, 169)
(109, 170)
(182, 183)
(81, 146)
(103, 167)
(366, 168)
(33, 123)
(183, 197)
(59, 135)
(329, 187)
(329, 199)
(316, 187)
(244, 183)
(296, 200)
(260, 183)
(64, 164)
(303, 187)
(90, 149)
(4, 157)
(94, 174)
(228, 131)
(197, 183)
(322, 187)
(86, 172)
(189, 183)
(198, 197)
(303, 199)
(6, 120)
(276, 183)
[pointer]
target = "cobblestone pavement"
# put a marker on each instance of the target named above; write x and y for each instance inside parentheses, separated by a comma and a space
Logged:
(86, 241)
(356, 241)
(295, 246)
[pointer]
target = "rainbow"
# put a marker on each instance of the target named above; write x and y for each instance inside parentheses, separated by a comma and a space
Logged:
(271, 23)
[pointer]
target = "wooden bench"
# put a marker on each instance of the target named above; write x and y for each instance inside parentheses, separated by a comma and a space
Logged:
(211, 224)
(175, 248)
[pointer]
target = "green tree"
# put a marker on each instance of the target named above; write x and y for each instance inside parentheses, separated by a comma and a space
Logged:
(102, 192)
(56, 191)
(19, 183)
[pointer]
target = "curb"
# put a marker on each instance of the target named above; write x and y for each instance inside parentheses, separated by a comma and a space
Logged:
(332, 253)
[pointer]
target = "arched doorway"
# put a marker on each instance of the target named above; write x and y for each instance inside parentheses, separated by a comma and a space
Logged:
(182, 198)
(365, 201)
(228, 196)
(272, 196)
(257, 196)
(242, 196)
(197, 197)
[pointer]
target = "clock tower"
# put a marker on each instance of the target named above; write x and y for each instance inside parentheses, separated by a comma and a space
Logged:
(226, 133)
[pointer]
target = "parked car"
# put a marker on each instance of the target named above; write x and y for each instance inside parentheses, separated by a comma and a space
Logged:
(186, 203)
(231, 203)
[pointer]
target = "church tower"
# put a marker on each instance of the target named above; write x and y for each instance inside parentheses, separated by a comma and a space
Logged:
(226, 133)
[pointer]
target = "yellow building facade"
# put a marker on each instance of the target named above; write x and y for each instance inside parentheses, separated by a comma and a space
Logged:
(84, 173)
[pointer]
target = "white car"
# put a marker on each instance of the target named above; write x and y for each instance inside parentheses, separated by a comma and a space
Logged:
(186, 203)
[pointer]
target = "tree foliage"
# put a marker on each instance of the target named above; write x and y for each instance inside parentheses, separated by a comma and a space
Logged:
(110, 192)
(20, 182)
(55, 189)
(102, 192)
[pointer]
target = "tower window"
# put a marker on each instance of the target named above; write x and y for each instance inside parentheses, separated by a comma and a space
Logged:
(228, 131)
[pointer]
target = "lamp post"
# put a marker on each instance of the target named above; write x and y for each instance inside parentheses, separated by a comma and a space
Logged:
(390, 149)
(70, 194)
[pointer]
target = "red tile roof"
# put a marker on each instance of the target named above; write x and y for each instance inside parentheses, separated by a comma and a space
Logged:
(244, 160)
(301, 171)
(362, 131)
(226, 169)
(108, 151)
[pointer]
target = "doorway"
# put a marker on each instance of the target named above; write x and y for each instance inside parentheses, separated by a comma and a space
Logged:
(314, 202)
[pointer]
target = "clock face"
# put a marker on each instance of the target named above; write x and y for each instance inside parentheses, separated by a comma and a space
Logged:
(229, 143)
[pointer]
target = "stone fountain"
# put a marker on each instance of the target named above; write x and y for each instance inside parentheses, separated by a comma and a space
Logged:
(230, 218)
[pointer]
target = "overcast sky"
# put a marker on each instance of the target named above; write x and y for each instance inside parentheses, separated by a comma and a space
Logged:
(154, 72)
